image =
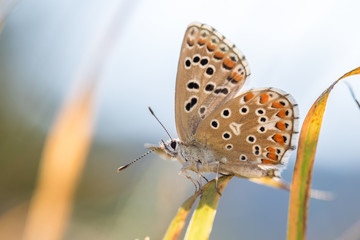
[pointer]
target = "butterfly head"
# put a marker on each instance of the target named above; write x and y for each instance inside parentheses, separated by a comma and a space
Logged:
(171, 147)
(167, 150)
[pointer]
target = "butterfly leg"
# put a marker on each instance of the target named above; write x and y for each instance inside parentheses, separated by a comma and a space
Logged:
(204, 178)
(184, 173)
(215, 165)
(198, 165)
(199, 174)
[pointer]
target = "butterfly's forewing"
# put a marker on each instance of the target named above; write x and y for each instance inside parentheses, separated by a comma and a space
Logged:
(259, 127)
(210, 72)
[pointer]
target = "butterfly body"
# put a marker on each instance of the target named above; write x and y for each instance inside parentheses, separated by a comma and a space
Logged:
(247, 134)
(198, 158)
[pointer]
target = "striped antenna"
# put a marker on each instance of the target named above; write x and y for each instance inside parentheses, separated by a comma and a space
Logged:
(127, 165)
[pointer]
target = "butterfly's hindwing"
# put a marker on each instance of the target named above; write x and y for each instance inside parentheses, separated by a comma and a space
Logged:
(210, 72)
(257, 127)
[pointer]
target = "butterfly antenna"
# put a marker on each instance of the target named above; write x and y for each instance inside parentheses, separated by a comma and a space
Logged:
(151, 111)
(127, 165)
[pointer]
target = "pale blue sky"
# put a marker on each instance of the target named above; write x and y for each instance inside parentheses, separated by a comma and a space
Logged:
(298, 46)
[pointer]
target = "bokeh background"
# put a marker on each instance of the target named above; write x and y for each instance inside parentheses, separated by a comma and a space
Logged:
(46, 46)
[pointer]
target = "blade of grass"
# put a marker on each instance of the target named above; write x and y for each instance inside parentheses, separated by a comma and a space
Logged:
(5, 9)
(352, 93)
(280, 184)
(301, 183)
(271, 182)
(177, 224)
(210, 197)
(351, 233)
(62, 162)
(68, 144)
(201, 222)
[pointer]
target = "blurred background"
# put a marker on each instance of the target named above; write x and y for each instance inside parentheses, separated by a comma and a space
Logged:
(47, 47)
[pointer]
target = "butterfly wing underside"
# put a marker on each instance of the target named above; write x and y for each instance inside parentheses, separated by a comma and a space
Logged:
(259, 126)
(210, 72)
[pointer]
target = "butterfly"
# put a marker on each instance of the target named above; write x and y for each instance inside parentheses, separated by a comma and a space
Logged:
(222, 130)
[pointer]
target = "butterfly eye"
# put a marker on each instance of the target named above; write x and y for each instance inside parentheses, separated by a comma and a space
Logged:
(173, 145)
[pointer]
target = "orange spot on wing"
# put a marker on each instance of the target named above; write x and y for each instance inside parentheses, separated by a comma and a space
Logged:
(267, 161)
(219, 55)
(190, 42)
(248, 96)
(201, 41)
(228, 63)
(210, 46)
(264, 98)
(279, 138)
(280, 125)
(234, 76)
(238, 77)
(277, 104)
(272, 156)
(282, 113)
(271, 149)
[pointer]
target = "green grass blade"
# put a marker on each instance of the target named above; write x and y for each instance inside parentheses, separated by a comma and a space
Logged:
(210, 197)
(300, 187)
(202, 219)
(177, 224)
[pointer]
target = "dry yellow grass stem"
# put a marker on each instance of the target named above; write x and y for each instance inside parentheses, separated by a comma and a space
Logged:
(61, 166)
